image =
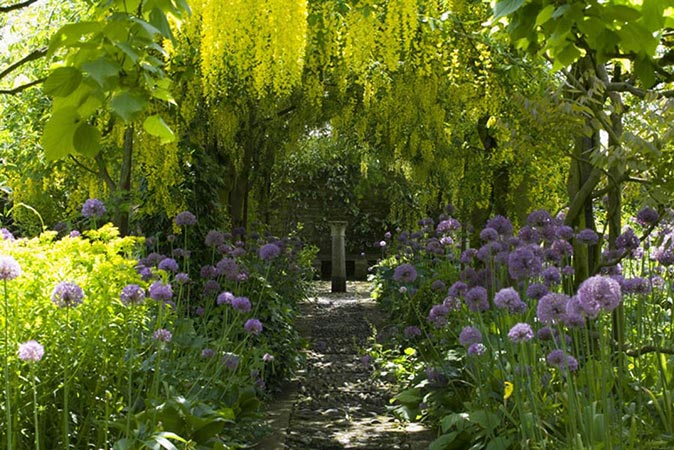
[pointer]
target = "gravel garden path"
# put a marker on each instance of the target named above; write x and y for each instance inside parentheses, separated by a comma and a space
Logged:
(334, 402)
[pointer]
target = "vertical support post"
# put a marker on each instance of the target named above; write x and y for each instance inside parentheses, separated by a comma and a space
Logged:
(337, 232)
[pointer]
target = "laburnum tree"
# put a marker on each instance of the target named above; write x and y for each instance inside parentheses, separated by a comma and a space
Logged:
(420, 87)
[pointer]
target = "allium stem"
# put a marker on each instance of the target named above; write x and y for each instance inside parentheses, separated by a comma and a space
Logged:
(66, 389)
(35, 406)
(8, 394)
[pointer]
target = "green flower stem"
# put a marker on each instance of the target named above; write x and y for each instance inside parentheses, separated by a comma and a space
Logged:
(8, 393)
(66, 385)
(36, 419)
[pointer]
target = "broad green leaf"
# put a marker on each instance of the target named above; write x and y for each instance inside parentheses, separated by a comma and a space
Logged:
(499, 443)
(87, 139)
(71, 34)
(101, 70)
(653, 14)
(158, 20)
(545, 15)
(559, 12)
(567, 56)
(645, 72)
(57, 137)
(622, 13)
(128, 51)
(409, 396)
(62, 81)
(443, 441)
(128, 105)
(635, 37)
(156, 126)
(505, 7)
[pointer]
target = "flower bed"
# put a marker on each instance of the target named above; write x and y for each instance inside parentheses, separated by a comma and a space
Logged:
(102, 349)
(505, 346)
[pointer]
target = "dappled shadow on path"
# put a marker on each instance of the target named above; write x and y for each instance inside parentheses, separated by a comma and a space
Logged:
(336, 403)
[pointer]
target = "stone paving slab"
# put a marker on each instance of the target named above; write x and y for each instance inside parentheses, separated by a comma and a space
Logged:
(334, 403)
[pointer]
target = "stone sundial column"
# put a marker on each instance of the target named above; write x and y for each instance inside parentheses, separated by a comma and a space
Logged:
(337, 232)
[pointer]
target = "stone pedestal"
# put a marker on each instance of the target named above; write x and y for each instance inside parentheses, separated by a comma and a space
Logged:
(338, 277)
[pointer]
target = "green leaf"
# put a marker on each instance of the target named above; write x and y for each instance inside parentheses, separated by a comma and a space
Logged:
(505, 7)
(62, 81)
(443, 441)
(58, 135)
(645, 72)
(653, 14)
(158, 20)
(499, 443)
(409, 396)
(87, 139)
(567, 56)
(622, 13)
(545, 15)
(71, 34)
(128, 105)
(635, 37)
(101, 70)
(156, 126)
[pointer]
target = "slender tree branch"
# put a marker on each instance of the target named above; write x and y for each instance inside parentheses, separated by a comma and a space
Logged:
(103, 169)
(6, 9)
(21, 88)
(32, 56)
(80, 164)
(628, 87)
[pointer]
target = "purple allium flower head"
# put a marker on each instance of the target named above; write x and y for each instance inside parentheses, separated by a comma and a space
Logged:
(67, 294)
(214, 238)
(9, 268)
(7, 235)
(436, 377)
(636, 285)
(664, 256)
(211, 287)
(467, 256)
(185, 218)
(547, 333)
(529, 235)
(253, 326)
(562, 248)
(501, 225)
(568, 271)
(488, 250)
(470, 335)
(446, 241)
(488, 234)
(182, 278)
(438, 315)
(412, 332)
(575, 317)
(598, 293)
(230, 360)
(144, 272)
(74, 234)
(588, 236)
(509, 298)
(539, 218)
(161, 292)
(200, 311)
(162, 335)
(548, 232)
(93, 207)
(366, 361)
(228, 267)
(557, 358)
(382, 244)
(628, 240)
(521, 332)
(405, 273)
(647, 216)
(453, 303)
(168, 264)
(132, 294)
(207, 353)
(551, 276)
(181, 253)
(267, 357)
(565, 232)
(225, 298)
(552, 308)
(458, 289)
(208, 272)
(536, 290)
(241, 304)
(476, 349)
(387, 235)
(402, 290)
(438, 285)
(476, 299)
(31, 351)
(447, 226)
(523, 263)
(238, 252)
(269, 251)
